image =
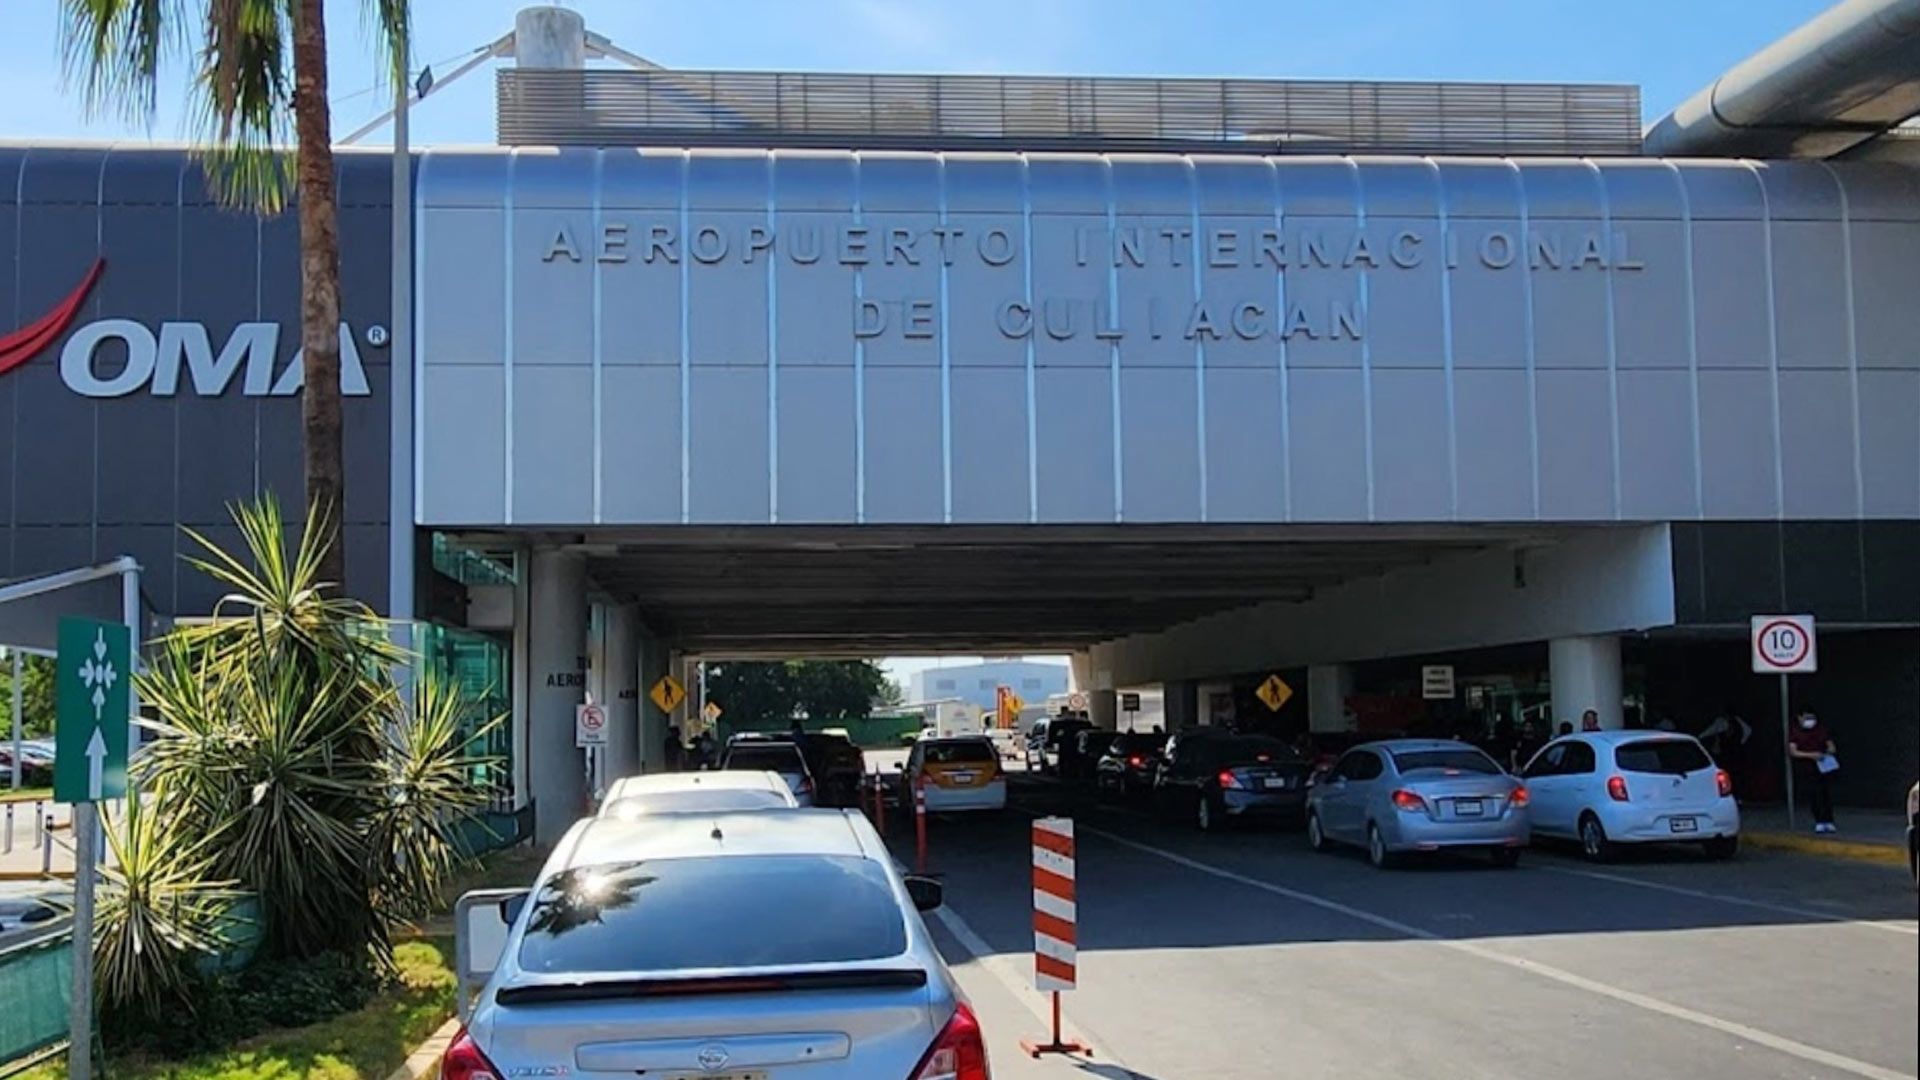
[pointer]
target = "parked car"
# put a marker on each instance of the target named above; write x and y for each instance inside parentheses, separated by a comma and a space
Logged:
(1611, 788)
(959, 773)
(697, 792)
(767, 946)
(1215, 777)
(1406, 795)
(1128, 763)
(19, 913)
(36, 762)
(1045, 736)
(784, 758)
(837, 765)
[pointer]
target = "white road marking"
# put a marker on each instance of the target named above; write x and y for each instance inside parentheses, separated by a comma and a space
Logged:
(1547, 971)
(1908, 929)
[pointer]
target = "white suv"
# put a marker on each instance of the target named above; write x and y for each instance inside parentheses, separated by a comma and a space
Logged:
(1607, 788)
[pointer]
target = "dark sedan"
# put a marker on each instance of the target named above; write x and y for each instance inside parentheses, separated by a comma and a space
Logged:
(1216, 778)
(1129, 763)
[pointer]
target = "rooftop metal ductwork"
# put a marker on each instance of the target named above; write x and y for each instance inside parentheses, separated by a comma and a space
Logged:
(1844, 78)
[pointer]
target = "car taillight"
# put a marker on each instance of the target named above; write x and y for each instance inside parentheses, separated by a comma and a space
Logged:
(1723, 781)
(464, 1061)
(1136, 761)
(1228, 780)
(959, 1053)
(1617, 788)
(1407, 800)
(1520, 797)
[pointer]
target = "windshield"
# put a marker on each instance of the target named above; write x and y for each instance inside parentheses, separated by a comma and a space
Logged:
(968, 751)
(779, 758)
(1462, 760)
(1673, 756)
(678, 914)
(699, 802)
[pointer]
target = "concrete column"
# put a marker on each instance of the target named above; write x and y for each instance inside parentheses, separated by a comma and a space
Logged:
(557, 645)
(550, 37)
(1182, 704)
(1328, 687)
(653, 722)
(620, 655)
(1103, 708)
(1585, 674)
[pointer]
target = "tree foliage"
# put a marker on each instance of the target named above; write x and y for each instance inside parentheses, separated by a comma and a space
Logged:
(760, 692)
(36, 698)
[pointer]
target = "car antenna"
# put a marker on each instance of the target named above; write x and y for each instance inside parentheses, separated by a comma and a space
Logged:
(716, 833)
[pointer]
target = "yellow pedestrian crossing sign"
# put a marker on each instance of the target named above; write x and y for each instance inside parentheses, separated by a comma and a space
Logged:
(1274, 692)
(668, 693)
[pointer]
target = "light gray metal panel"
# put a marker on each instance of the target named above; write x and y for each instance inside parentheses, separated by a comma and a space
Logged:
(1156, 301)
(1151, 184)
(1227, 282)
(817, 480)
(1886, 279)
(1650, 305)
(985, 182)
(727, 300)
(1890, 443)
(728, 179)
(1576, 446)
(903, 481)
(1730, 294)
(1478, 187)
(552, 445)
(1066, 294)
(1800, 191)
(976, 289)
(905, 279)
(1318, 186)
(1234, 185)
(1327, 430)
(1657, 480)
(464, 180)
(895, 181)
(646, 178)
(1721, 190)
(641, 306)
(463, 463)
(640, 445)
(1412, 476)
(545, 178)
(1490, 308)
(1881, 191)
(1159, 446)
(1399, 187)
(813, 180)
(1074, 440)
(1737, 462)
(552, 296)
(1810, 294)
(1642, 190)
(728, 482)
(462, 300)
(1246, 447)
(1406, 305)
(1492, 414)
(813, 303)
(1817, 445)
(1559, 189)
(1322, 281)
(990, 445)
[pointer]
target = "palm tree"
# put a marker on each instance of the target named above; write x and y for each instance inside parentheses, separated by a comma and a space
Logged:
(237, 52)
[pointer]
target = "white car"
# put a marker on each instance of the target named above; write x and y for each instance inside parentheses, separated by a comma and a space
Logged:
(697, 792)
(1610, 788)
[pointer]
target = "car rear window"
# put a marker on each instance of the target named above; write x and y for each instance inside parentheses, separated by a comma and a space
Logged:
(776, 758)
(698, 802)
(1472, 761)
(1256, 749)
(1673, 756)
(958, 752)
(726, 912)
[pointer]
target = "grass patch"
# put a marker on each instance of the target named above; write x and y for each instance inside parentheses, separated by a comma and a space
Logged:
(25, 794)
(366, 1044)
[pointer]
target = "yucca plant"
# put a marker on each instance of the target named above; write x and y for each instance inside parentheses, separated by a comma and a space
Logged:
(427, 788)
(162, 910)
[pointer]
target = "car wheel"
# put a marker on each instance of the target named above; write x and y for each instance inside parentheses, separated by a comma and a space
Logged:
(1722, 847)
(1317, 837)
(1203, 814)
(1593, 840)
(1506, 858)
(1377, 852)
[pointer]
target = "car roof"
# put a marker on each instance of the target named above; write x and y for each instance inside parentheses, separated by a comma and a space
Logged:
(954, 739)
(1412, 746)
(628, 787)
(597, 841)
(1620, 735)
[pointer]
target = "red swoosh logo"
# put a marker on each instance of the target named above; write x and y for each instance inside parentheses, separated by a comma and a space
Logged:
(25, 343)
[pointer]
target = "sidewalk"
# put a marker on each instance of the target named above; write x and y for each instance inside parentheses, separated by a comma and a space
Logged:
(25, 858)
(1874, 836)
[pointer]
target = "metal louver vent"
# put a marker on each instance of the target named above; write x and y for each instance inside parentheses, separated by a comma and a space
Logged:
(541, 107)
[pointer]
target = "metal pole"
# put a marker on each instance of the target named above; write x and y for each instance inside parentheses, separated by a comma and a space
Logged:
(130, 614)
(920, 826)
(14, 766)
(1786, 748)
(400, 511)
(80, 1013)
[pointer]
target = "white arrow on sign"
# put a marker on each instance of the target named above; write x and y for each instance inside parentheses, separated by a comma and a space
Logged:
(96, 760)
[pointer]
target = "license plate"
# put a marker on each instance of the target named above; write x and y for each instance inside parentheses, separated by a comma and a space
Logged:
(1683, 824)
(960, 777)
(737, 1074)
(1274, 782)
(1468, 808)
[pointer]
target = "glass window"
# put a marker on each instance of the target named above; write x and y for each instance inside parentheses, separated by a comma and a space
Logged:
(958, 751)
(1549, 762)
(1464, 759)
(698, 802)
(676, 914)
(1579, 759)
(1367, 765)
(943, 684)
(1672, 756)
(1029, 684)
(780, 759)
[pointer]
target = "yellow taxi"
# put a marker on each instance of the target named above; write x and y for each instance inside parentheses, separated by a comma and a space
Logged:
(959, 772)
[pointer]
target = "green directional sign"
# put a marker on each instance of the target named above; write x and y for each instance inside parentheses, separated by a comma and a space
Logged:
(92, 690)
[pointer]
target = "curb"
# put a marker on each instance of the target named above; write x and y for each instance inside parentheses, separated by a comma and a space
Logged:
(1850, 850)
(426, 1057)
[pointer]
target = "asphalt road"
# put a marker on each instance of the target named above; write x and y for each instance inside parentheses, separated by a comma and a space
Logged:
(1246, 955)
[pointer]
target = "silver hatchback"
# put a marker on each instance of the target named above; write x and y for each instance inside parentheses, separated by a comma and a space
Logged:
(1405, 795)
(740, 946)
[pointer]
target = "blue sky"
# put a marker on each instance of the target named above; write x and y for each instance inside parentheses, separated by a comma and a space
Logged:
(1670, 47)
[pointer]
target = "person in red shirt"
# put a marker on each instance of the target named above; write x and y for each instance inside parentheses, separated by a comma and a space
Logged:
(1814, 761)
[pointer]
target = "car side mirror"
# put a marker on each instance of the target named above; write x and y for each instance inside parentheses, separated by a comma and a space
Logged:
(899, 766)
(928, 893)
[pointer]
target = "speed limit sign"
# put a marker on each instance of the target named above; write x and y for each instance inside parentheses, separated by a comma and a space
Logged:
(1783, 645)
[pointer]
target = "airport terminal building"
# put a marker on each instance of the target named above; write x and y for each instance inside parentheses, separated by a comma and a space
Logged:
(1198, 380)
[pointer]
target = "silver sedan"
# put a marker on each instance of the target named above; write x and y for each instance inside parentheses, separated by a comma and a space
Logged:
(1406, 795)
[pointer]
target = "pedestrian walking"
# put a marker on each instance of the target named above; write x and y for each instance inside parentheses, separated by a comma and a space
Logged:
(1814, 762)
(676, 750)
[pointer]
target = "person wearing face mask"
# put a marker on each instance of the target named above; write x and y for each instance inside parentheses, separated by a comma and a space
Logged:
(1814, 762)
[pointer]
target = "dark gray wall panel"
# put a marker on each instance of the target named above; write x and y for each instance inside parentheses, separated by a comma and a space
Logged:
(1886, 263)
